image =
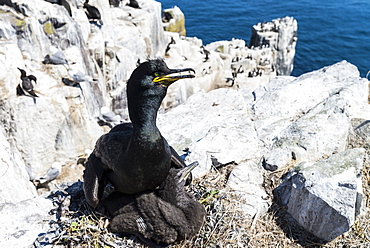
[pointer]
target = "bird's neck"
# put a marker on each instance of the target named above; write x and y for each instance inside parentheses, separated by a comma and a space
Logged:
(143, 115)
(172, 191)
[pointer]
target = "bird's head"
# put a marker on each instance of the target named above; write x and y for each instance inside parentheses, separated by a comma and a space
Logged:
(155, 73)
(147, 87)
(183, 173)
(23, 72)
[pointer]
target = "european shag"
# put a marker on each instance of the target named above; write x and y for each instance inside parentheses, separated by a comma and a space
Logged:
(135, 158)
(160, 217)
(26, 87)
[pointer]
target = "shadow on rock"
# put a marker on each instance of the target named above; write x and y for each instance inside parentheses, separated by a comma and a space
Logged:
(291, 227)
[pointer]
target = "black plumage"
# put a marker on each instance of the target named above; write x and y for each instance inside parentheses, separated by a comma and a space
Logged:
(25, 87)
(70, 82)
(169, 45)
(135, 158)
(114, 3)
(63, 3)
(92, 12)
(17, 7)
(160, 217)
(133, 4)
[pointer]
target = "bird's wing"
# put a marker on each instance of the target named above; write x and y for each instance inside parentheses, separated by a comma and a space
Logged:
(124, 127)
(94, 180)
(32, 77)
(107, 156)
(176, 161)
(20, 92)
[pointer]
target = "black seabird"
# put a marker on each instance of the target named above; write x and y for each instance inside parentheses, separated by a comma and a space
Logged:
(133, 4)
(17, 7)
(92, 13)
(26, 86)
(205, 52)
(166, 16)
(63, 3)
(160, 217)
(135, 158)
(114, 3)
(169, 45)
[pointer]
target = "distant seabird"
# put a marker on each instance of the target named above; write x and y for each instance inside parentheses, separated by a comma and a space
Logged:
(26, 87)
(133, 4)
(63, 3)
(78, 76)
(232, 81)
(52, 173)
(92, 13)
(114, 3)
(169, 45)
(108, 118)
(205, 52)
(56, 23)
(55, 57)
(17, 7)
(137, 158)
(166, 16)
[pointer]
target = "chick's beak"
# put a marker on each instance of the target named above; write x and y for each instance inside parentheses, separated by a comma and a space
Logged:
(168, 78)
(187, 170)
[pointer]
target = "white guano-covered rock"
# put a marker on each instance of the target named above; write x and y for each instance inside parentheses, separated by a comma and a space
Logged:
(224, 125)
(308, 118)
(293, 98)
(14, 179)
(281, 35)
(215, 124)
(174, 20)
(61, 123)
(247, 179)
(21, 223)
(325, 196)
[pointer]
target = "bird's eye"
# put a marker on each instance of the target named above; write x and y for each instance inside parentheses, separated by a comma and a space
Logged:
(156, 74)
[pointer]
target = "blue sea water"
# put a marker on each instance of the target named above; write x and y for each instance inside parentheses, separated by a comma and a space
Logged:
(328, 30)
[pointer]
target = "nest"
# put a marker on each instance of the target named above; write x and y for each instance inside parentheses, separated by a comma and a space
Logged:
(226, 225)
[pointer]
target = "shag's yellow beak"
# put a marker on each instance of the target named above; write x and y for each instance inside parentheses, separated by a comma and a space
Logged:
(167, 79)
(187, 170)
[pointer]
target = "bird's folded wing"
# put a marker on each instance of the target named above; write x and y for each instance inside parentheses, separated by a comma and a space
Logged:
(94, 180)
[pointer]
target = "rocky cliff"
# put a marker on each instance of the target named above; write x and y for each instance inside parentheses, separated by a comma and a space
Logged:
(257, 121)
(81, 67)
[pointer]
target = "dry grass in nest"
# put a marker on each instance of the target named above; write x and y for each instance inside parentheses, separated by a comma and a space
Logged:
(227, 226)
